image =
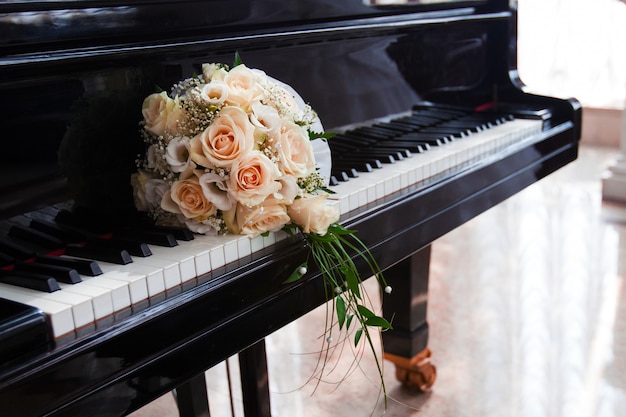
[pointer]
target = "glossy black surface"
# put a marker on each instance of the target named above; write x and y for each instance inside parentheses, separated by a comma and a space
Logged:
(73, 96)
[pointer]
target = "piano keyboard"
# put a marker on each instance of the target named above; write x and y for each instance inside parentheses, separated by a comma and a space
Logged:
(120, 288)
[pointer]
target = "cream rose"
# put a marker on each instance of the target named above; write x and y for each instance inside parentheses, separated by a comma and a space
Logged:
(295, 151)
(269, 216)
(209, 71)
(253, 178)
(187, 197)
(214, 93)
(161, 114)
(312, 215)
(228, 138)
(243, 86)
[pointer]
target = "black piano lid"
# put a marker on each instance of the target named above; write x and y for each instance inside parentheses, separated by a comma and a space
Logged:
(74, 78)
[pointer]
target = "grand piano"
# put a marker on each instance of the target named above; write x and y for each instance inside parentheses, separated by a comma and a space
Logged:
(434, 127)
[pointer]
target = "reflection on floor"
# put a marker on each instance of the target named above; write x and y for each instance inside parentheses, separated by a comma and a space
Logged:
(527, 310)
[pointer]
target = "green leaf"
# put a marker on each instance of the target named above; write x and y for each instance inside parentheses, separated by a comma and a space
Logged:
(320, 135)
(351, 280)
(357, 336)
(365, 312)
(238, 60)
(349, 321)
(295, 275)
(377, 322)
(341, 310)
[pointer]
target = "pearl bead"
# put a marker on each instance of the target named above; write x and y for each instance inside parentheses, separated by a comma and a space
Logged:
(388, 289)
(302, 270)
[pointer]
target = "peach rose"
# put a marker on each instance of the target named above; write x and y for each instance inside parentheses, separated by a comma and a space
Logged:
(269, 216)
(243, 86)
(295, 151)
(229, 137)
(187, 197)
(161, 114)
(253, 178)
(312, 215)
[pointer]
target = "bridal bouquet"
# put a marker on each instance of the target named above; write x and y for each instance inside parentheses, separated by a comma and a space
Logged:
(235, 151)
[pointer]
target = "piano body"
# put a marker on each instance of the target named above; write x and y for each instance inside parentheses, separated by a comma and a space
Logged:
(73, 75)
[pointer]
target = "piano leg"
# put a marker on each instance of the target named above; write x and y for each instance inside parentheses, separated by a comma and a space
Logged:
(406, 345)
(254, 380)
(192, 398)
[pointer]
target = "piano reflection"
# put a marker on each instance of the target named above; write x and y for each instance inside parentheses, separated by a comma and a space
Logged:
(434, 127)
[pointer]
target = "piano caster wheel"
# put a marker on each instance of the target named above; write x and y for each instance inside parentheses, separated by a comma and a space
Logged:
(416, 373)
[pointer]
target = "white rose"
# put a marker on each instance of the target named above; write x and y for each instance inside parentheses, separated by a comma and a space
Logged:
(214, 190)
(288, 191)
(312, 214)
(178, 157)
(215, 93)
(266, 119)
(295, 151)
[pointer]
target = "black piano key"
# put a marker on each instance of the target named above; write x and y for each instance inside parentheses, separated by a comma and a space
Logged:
(105, 254)
(341, 176)
(353, 165)
(351, 172)
(15, 250)
(91, 223)
(360, 160)
(134, 248)
(83, 266)
(151, 237)
(407, 148)
(6, 259)
(333, 181)
(54, 229)
(179, 233)
(35, 236)
(398, 152)
(60, 273)
(39, 282)
(384, 157)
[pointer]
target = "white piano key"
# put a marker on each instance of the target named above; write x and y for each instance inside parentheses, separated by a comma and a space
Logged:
(182, 255)
(101, 298)
(59, 315)
(137, 285)
(120, 293)
(82, 311)
(152, 275)
(371, 186)
(171, 271)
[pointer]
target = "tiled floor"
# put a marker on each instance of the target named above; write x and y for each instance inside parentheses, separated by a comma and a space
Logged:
(527, 308)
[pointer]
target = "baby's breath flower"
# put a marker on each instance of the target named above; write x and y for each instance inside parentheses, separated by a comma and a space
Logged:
(311, 183)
